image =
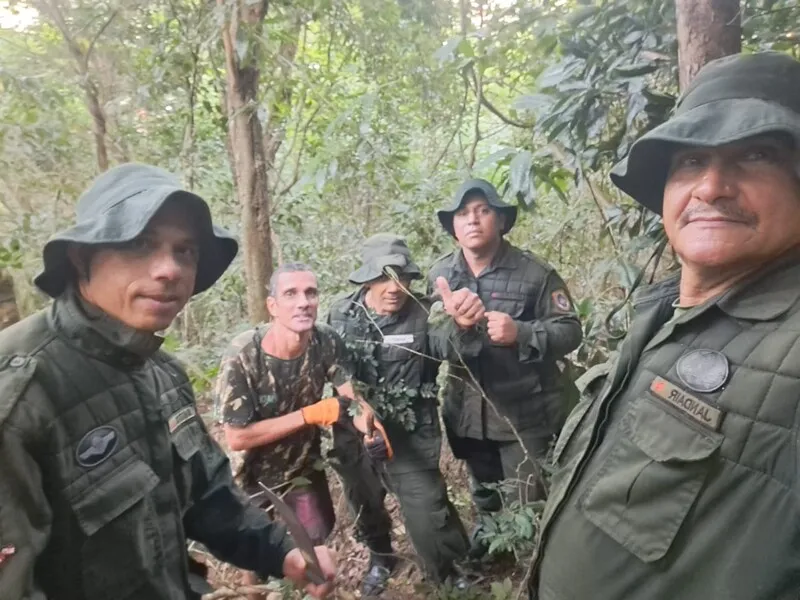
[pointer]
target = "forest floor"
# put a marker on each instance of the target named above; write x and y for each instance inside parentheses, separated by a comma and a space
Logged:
(406, 582)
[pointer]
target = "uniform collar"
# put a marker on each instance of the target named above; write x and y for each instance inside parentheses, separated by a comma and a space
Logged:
(97, 334)
(763, 297)
(505, 258)
(767, 295)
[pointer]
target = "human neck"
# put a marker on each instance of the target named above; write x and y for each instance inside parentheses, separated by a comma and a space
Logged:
(699, 285)
(284, 343)
(478, 259)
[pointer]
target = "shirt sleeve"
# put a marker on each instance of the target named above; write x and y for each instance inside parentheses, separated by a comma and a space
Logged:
(222, 518)
(555, 330)
(25, 513)
(233, 393)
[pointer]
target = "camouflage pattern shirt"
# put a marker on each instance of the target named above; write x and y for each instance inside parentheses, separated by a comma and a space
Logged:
(253, 385)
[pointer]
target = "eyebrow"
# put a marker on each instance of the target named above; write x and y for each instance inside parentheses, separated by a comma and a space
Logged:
(294, 289)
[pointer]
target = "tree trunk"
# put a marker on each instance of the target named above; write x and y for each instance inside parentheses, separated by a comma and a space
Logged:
(52, 9)
(707, 29)
(9, 314)
(247, 147)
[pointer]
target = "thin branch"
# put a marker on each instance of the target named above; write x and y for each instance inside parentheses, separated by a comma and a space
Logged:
(99, 33)
(492, 109)
(478, 81)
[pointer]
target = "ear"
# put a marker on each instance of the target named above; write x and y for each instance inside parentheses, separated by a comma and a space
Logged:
(272, 306)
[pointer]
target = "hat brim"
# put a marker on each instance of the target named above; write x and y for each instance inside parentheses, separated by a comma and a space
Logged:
(643, 173)
(375, 269)
(124, 222)
(510, 213)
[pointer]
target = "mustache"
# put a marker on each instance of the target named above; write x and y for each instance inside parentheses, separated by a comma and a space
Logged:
(726, 210)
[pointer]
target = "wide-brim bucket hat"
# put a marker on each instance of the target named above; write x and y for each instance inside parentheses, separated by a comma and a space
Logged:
(384, 250)
(731, 99)
(485, 189)
(117, 208)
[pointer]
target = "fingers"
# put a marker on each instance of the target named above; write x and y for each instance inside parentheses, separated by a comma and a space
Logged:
(444, 289)
(327, 562)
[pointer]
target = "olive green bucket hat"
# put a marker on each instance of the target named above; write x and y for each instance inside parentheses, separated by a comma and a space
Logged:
(730, 99)
(485, 189)
(384, 250)
(117, 208)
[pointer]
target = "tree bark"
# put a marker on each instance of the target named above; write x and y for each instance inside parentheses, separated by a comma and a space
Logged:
(247, 146)
(52, 9)
(707, 29)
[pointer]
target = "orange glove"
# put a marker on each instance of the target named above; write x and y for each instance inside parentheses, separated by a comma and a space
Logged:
(325, 412)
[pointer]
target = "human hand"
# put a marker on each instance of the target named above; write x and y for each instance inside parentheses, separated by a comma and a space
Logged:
(501, 328)
(377, 442)
(295, 568)
(464, 305)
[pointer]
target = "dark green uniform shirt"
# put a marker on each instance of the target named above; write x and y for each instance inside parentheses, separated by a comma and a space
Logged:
(253, 386)
(106, 468)
(678, 471)
(523, 381)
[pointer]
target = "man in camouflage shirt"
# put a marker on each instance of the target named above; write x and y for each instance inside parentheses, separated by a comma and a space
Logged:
(270, 394)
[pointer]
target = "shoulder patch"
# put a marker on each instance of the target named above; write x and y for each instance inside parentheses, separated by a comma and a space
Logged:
(15, 374)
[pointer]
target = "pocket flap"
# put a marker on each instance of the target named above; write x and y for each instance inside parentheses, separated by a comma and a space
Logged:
(665, 438)
(117, 492)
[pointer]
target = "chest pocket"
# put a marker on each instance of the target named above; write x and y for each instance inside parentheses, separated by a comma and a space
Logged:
(123, 546)
(402, 347)
(511, 303)
(650, 479)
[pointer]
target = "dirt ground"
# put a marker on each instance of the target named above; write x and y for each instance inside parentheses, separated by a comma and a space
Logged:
(353, 557)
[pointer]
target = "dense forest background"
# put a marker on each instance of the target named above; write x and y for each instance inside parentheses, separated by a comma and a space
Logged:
(309, 125)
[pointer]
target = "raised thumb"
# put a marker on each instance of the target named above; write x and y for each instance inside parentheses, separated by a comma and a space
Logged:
(444, 289)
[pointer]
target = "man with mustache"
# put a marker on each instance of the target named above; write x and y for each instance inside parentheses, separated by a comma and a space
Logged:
(504, 403)
(677, 472)
(106, 468)
(270, 393)
(395, 355)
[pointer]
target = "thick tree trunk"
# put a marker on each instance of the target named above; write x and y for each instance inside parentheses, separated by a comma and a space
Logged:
(707, 29)
(9, 314)
(247, 148)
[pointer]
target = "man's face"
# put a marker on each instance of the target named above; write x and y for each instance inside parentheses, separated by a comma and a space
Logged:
(294, 302)
(733, 205)
(476, 224)
(387, 295)
(146, 282)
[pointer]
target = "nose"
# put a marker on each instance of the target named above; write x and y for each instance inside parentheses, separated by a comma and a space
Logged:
(472, 217)
(717, 182)
(165, 266)
(394, 287)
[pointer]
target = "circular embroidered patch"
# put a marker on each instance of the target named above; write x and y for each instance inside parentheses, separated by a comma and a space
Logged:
(96, 446)
(703, 370)
(561, 300)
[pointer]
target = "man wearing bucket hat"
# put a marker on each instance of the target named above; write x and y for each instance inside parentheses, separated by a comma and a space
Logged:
(677, 472)
(106, 467)
(395, 355)
(512, 390)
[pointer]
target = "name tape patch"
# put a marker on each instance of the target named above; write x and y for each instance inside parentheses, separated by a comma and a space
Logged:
(399, 338)
(700, 411)
(180, 417)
